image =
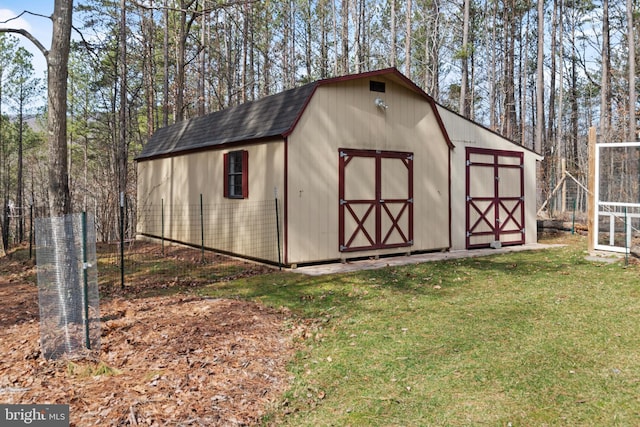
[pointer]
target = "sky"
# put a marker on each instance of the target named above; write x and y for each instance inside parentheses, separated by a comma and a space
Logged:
(38, 26)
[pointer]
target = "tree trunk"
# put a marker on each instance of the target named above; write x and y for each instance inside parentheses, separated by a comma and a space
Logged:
(122, 163)
(202, 62)
(407, 42)
(20, 183)
(344, 16)
(165, 55)
(359, 57)
(180, 61)
(548, 142)
(494, 122)
(148, 28)
(551, 118)
(57, 71)
(573, 102)
(605, 85)
(324, 51)
(631, 133)
(393, 35)
(464, 82)
(560, 120)
(308, 50)
(539, 137)
(431, 50)
(509, 126)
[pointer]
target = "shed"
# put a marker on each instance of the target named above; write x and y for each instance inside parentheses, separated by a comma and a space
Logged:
(364, 166)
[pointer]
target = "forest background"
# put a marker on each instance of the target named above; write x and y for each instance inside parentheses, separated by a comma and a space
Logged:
(540, 73)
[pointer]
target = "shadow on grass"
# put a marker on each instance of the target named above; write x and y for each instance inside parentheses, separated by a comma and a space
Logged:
(317, 295)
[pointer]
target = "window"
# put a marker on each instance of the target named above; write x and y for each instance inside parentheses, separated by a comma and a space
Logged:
(236, 174)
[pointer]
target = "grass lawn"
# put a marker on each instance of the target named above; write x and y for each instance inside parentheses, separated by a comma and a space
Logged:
(524, 339)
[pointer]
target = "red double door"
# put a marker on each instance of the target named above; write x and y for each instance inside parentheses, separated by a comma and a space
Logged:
(376, 199)
(494, 198)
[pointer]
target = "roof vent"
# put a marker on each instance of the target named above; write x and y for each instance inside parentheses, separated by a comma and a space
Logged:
(376, 86)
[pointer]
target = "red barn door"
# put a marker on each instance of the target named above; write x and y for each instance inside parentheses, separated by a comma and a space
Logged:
(376, 199)
(495, 197)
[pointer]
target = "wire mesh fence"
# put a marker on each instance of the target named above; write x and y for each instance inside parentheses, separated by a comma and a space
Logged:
(567, 198)
(67, 285)
(188, 245)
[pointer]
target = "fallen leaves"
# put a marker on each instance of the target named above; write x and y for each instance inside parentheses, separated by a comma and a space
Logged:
(176, 360)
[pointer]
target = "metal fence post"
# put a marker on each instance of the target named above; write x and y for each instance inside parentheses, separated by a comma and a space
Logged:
(201, 229)
(30, 231)
(122, 240)
(627, 238)
(162, 225)
(275, 193)
(85, 287)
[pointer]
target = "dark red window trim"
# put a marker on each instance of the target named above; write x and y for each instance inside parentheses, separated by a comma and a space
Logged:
(245, 175)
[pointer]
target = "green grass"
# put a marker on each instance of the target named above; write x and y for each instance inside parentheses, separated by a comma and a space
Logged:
(529, 338)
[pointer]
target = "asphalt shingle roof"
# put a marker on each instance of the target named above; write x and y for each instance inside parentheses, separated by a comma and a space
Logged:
(267, 117)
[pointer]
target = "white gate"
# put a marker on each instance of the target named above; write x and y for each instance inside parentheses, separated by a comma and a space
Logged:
(617, 196)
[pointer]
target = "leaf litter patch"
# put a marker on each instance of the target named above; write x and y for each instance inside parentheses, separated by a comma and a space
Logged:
(168, 360)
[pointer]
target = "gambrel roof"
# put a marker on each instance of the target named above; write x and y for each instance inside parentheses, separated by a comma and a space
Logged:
(271, 116)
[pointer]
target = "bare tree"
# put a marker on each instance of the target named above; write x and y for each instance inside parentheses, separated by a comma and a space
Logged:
(393, 34)
(407, 42)
(539, 136)
(431, 24)
(344, 35)
(185, 21)
(605, 85)
(632, 72)
(22, 89)
(464, 56)
(165, 56)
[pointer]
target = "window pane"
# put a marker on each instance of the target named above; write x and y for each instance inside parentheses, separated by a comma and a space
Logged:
(235, 185)
(235, 174)
(235, 162)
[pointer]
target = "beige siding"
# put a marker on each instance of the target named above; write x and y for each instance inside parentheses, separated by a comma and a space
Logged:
(231, 225)
(464, 133)
(343, 115)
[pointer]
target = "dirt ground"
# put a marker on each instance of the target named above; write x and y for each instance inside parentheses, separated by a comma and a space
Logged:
(175, 360)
